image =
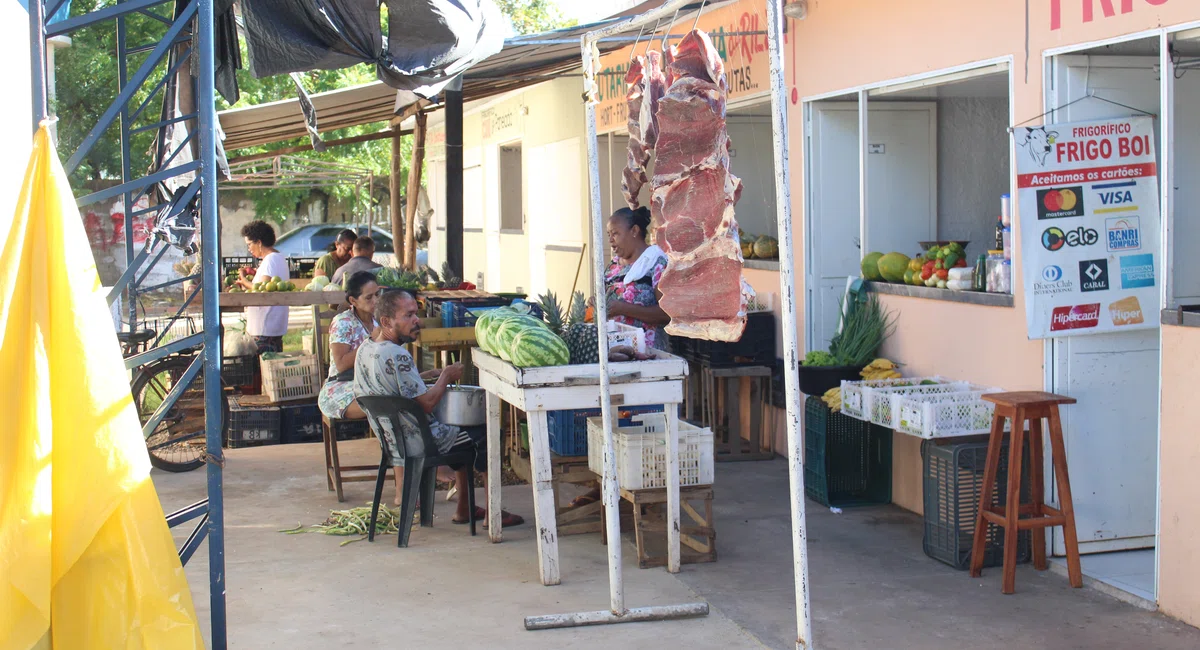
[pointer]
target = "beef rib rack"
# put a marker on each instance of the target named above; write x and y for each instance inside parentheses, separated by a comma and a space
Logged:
(647, 84)
(693, 198)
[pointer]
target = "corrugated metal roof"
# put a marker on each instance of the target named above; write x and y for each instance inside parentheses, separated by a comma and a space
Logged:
(524, 61)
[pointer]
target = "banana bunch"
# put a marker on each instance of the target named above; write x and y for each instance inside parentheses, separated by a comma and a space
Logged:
(881, 369)
(833, 398)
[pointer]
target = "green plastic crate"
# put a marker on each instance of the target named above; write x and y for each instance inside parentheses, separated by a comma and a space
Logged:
(847, 462)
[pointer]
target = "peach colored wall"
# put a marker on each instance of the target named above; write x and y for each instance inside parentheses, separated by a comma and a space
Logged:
(1179, 456)
(842, 45)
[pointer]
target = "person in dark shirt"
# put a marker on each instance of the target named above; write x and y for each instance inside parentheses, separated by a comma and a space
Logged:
(364, 248)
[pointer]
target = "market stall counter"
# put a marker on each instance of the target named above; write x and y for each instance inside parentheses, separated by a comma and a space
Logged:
(537, 390)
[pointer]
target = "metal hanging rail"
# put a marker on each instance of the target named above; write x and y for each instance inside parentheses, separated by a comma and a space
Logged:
(192, 23)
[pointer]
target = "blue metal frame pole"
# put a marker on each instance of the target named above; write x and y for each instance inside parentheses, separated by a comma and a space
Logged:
(211, 272)
(126, 170)
(37, 56)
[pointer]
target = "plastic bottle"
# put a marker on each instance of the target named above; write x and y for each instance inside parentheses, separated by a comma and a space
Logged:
(999, 233)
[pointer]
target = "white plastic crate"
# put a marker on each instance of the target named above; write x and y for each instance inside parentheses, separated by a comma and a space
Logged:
(859, 397)
(642, 452)
(945, 415)
(291, 375)
(622, 334)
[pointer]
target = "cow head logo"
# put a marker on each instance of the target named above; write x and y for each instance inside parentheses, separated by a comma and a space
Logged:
(1039, 142)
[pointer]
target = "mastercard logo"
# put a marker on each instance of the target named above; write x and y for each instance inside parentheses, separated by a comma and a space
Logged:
(1059, 200)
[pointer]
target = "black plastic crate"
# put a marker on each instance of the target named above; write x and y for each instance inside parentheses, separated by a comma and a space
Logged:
(351, 429)
(847, 462)
(300, 423)
(240, 372)
(251, 426)
(953, 483)
(682, 346)
(568, 428)
(756, 347)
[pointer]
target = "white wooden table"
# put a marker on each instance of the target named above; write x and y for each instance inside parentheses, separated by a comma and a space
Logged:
(537, 390)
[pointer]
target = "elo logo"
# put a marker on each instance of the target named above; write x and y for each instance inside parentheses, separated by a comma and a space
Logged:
(1054, 238)
(1052, 273)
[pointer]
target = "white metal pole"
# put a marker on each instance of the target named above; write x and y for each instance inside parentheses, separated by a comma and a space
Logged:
(1166, 172)
(863, 145)
(791, 352)
(611, 497)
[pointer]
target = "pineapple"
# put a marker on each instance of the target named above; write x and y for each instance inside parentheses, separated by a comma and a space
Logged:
(554, 313)
(449, 281)
(581, 337)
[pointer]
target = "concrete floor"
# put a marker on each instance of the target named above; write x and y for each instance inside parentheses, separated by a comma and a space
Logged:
(872, 587)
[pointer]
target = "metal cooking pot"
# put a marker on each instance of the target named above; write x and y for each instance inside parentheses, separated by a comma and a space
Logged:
(462, 406)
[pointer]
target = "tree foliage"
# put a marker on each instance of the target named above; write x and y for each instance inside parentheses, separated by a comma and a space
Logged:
(87, 84)
(533, 16)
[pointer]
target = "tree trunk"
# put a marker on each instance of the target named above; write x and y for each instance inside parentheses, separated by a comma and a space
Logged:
(399, 249)
(414, 191)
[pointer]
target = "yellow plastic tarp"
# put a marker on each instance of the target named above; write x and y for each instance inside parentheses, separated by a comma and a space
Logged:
(86, 558)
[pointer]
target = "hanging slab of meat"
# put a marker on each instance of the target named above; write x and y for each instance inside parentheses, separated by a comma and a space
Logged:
(647, 84)
(694, 197)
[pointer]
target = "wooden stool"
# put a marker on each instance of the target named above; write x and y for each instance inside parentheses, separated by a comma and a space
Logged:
(1031, 407)
(697, 533)
(335, 472)
(724, 415)
(587, 518)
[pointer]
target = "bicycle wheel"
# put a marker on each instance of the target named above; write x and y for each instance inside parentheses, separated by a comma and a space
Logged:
(177, 444)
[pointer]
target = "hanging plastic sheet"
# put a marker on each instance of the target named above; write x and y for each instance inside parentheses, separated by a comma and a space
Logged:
(86, 558)
(429, 42)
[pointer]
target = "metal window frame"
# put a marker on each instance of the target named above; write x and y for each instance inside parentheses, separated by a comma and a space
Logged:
(195, 23)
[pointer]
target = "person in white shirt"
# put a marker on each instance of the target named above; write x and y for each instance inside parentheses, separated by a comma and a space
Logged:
(266, 324)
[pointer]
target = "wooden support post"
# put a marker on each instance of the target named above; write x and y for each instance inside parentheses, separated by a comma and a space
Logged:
(394, 193)
(414, 191)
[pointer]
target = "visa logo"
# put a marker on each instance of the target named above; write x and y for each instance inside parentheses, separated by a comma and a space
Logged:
(1116, 198)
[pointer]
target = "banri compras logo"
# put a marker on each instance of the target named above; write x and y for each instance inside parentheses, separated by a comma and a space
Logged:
(1075, 318)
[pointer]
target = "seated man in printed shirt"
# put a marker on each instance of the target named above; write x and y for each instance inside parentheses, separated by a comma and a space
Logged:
(384, 367)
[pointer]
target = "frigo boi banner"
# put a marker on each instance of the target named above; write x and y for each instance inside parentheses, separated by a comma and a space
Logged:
(1088, 199)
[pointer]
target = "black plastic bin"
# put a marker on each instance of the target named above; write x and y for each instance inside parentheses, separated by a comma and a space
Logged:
(251, 426)
(817, 380)
(756, 347)
(953, 481)
(240, 372)
(847, 462)
(300, 423)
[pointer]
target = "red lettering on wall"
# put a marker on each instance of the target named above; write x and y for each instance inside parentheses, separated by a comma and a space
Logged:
(1088, 9)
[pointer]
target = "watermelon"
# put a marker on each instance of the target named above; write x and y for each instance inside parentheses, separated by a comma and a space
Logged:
(485, 324)
(504, 331)
(538, 346)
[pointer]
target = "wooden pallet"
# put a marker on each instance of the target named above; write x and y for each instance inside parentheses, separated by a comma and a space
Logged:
(697, 532)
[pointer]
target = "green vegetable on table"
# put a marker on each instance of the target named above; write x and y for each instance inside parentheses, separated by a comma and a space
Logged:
(818, 358)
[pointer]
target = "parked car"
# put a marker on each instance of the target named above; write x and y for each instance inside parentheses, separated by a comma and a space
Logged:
(314, 240)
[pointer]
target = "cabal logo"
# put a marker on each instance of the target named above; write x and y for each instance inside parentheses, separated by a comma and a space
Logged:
(1126, 311)
(1075, 318)
(1053, 282)
(1060, 203)
(1054, 238)
(1124, 234)
(1093, 275)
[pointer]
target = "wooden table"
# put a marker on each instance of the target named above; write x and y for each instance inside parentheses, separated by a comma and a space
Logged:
(538, 390)
(239, 301)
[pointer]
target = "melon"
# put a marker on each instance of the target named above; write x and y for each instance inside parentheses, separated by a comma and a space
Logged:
(538, 346)
(870, 266)
(766, 248)
(486, 324)
(892, 266)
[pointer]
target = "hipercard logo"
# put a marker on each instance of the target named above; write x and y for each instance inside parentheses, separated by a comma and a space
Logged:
(1075, 318)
